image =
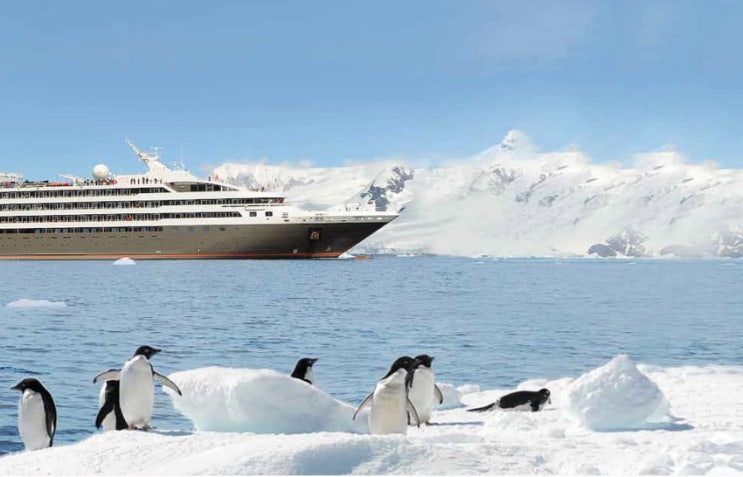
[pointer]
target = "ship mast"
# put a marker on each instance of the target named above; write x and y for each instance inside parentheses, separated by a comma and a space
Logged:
(152, 160)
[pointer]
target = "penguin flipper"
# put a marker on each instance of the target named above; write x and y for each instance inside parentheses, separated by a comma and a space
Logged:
(484, 408)
(438, 394)
(51, 415)
(167, 382)
(414, 412)
(107, 407)
(365, 403)
(110, 375)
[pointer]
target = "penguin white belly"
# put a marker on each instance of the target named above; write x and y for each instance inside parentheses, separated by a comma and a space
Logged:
(109, 423)
(137, 391)
(421, 393)
(310, 376)
(32, 421)
(388, 414)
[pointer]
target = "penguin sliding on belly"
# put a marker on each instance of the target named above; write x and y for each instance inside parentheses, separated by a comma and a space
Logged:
(519, 399)
(37, 415)
(137, 387)
(110, 415)
(303, 370)
(389, 402)
(423, 391)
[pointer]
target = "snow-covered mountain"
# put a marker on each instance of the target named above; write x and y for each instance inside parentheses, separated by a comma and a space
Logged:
(511, 200)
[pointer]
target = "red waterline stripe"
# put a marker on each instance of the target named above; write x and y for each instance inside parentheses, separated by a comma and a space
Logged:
(171, 255)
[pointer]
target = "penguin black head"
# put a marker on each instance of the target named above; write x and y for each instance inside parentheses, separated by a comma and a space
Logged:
(300, 370)
(424, 359)
(29, 383)
(403, 362)
(545, 393)
(146, 351)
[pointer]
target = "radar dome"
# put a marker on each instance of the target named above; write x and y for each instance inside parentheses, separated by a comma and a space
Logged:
(101, 172)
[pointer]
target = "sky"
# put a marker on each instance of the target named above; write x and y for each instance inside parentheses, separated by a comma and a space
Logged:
(333, 82)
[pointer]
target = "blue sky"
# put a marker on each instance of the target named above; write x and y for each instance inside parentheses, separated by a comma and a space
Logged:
(333, 81)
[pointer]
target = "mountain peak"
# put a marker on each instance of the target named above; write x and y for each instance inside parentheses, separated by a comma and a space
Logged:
(515, 139)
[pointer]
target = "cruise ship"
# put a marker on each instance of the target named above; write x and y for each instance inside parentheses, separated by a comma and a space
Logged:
(167, 213)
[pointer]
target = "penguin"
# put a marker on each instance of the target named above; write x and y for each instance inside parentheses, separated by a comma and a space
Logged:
(390, 405)
(37, 415)
(110, 415)
(424, 390)
(137, 387)
(303, 370)
(519, 399)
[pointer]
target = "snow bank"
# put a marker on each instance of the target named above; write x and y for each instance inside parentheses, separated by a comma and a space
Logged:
(260, 401)
(125, 261)
(28, 303)
(616, 396)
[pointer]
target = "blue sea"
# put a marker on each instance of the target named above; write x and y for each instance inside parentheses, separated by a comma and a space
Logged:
(491, 322)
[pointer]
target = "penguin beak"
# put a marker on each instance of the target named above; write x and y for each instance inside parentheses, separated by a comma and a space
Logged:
(155, 351)
(17, 387)
(313, 361)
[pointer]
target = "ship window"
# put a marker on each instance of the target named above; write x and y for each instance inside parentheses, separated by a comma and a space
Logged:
(269, 214)
(253, 214)
(222, 229)
(206, 229)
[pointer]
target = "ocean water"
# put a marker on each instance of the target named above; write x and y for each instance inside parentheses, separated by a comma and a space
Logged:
(491, 322)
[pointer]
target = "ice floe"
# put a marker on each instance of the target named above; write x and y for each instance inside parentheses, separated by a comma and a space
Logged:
(28, 303)
(709, 439)
(125, 261)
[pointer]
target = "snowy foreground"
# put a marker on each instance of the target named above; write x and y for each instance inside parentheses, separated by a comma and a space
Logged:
(686, 420)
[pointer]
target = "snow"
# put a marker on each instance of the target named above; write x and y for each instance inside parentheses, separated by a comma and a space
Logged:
(511, 200)
(25, 303)
(258, 400)
(125, 261)
(616, 396)
(453, 395)
(709, 439)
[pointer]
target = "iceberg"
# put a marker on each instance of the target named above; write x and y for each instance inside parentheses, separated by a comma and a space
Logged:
(616, 396)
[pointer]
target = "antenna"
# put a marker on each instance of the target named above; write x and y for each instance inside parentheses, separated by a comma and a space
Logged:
(155, 152)
(138, 153)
